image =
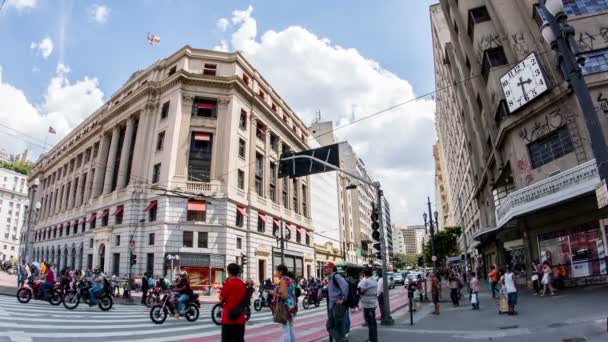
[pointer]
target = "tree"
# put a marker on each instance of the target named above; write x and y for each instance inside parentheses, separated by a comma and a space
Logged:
(20, 166)
(401, 261)
(446, 244)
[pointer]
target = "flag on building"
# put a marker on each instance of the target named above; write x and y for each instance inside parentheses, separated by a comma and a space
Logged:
(52, 130)
(153, 39)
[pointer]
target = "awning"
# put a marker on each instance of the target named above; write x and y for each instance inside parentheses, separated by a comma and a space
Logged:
(93, 216)
(244, 113)
(309, 233)
(205, 106)
(106, 212)
(84, 219)
(202, 137)
(289, 226)
(300, 230)
(276, 221)
(263, 217)
(151, 205)
(119, 209)
(194, 205)
(242, 211)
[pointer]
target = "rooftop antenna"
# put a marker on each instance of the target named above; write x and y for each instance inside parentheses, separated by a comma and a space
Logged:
(318, 116)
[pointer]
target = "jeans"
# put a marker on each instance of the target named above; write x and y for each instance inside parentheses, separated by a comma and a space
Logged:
(454, 296)
(93, 292)
(494, 289)
(181, 302)
(335, 322)
(289, 330)
(144, 294)
(233, 333)
(370, 319)
(347, 321)
(45, 287)
(381, 305)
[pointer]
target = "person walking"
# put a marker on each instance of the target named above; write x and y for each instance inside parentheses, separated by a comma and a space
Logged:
(493, 276)
(379, 293)
(368, 288)
(144, 288)
(337, 293)
(454, 287)
(435, 290)
(474, 288)
(536, 278)
(115, 281)
(232, 295)
(546, 282)
(509, 283)
(286, 293)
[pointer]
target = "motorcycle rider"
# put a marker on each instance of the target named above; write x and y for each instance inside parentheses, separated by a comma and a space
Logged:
(313, 289)
(268, 287)
(185, 292)
(96, 286)
(49, 280)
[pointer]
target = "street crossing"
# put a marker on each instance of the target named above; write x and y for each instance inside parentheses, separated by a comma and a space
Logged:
(39, 321)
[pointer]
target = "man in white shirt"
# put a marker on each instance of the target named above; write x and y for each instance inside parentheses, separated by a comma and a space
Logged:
(509, 282)
(379, 292)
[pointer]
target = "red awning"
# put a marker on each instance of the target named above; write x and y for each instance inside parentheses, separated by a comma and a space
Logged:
(263, 217)
(194, 205)
(244, 113)
(151, 205)
(84, 219)
(309, 233)
(300, 230)
(276, 221)
(205, 106)
(242, 211)
(202, 137)
(106, 212)
(119, 209)
(93, 216)
(289, 226)
(61, 225)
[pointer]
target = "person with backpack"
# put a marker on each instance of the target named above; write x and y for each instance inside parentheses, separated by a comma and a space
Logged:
(337, 296)
(286, 296)
(233, 295)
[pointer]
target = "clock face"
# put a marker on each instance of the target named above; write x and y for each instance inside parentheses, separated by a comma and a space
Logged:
(522, 84)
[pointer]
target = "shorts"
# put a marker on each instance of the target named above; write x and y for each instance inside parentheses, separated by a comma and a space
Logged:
(435, 299)
(512, 298)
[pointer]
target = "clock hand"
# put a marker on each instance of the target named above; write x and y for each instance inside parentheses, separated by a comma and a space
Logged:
(523, 89)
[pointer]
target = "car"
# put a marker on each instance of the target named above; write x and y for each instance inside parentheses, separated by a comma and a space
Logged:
(411, 277)
(391, 280)
(398, 279)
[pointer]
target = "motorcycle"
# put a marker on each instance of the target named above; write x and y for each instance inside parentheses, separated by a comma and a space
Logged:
(216, 313)
(72, 298)
(309, 299)
(153, 297)
(159, 311)
(33, 289)
(263, 301)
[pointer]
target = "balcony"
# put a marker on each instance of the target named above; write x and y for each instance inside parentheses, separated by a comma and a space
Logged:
(571, 183)
(206, 188)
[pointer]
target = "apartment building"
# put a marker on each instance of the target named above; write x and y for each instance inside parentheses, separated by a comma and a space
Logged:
(522, 169)
(181, 161)
(442, 195)
(13, 210)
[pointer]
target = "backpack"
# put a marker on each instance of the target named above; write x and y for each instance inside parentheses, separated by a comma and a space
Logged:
(352, 301)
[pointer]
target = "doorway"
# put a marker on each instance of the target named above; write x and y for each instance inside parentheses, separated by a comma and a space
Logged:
(261, 271)
(102, 257)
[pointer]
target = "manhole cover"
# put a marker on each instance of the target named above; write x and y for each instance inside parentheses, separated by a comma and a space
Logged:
(557, 325)
(575, 339)
(509, 327)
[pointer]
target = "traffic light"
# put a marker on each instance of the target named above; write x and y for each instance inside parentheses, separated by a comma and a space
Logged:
(420, 261)
(376, 231)
(133, 259)
(243, 260)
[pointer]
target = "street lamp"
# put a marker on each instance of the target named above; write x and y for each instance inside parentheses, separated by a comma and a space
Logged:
(431, 226)
(172, 257)
(560, 36)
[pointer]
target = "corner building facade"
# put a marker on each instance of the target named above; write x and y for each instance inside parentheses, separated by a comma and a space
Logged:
(181, 161)
(522, 169)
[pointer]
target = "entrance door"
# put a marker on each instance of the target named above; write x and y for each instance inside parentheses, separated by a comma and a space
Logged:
(261, 271)
(102, 257)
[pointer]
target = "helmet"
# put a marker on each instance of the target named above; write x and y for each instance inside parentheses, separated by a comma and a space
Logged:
(183, 274)
(96, 270)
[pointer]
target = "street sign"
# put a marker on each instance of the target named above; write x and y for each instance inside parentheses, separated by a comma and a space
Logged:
(434, 258)
(303, 167)
(602, 196)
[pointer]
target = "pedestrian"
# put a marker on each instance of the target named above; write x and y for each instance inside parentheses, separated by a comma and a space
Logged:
(435, 290)
(379, 293)
(454, 287)
(420, 288)
(233, 296)
(474, 289)
(115, 281)
(337, 293)
(144, 288)
(536, 278)
(21, 273)
(368, 287)
(493, 277)
(547, 279)
(509, 282)
(285, 294)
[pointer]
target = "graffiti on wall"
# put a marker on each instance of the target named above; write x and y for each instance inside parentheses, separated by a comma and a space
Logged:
(602, 102)
(519, 44)
(545, 125)
(524, 171)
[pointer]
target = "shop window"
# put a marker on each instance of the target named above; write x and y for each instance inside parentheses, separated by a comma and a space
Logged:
(203, 240)
(550, 147)
(187, 239)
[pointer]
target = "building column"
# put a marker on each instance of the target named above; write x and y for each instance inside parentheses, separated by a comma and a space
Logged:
(139, 162)
(111, 161)
(66, 196)
(78, 197)
(73, 191)
(252, 143)
(58, 200)
(100, 166)
(125, 154)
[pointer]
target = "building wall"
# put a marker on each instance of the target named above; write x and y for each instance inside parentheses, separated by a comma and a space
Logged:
(13, 209)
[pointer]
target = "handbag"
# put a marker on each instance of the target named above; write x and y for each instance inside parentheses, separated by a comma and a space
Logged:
(281, 312)
(535, 277)
(473, 298)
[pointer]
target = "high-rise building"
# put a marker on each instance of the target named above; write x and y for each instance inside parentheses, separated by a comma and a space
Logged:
(4, 155)
(13, 209)
(26, 156)
(181, 160)
(521, 174)
(407, 239)
(446, 216)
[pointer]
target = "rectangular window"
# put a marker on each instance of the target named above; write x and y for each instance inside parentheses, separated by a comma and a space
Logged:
(240, 214)
(246, 79)
(206, 108)
(152, 213)
(274, 142)
(492, 58)
(160, 141)
(242, 148)
(187, 239)
(479, 103)
(260, 131)
(294, 194)
(304, 204)
(307, 239)
(259, 174)
(274, 107)
(67, 230)
(574, 8)
(243, 120)
(164, 112)
(116, 263)
(285, 197)
(298, 236)
(550, 147)
(105, 217)
(203, 240)
(210, 69)
(150, 263)
(262, 94)
(118, 215)
(90, 243)
(596, 61)
(241, 180)
(117, 240)
(156, 174)
(151, 239)
(239, 243)
(261, 223)
(502, 112)
(172, 71)
(90, 261)
(197, 211)
(93, 223)
(476, 16)
(199, 162)
(273, 182)
(83, 226)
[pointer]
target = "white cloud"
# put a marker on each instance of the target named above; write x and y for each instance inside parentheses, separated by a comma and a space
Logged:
(65, 105)
(223, 46)
(43, 47)
(21, 4)
(396, 145)
(222, 24)
(100, 13)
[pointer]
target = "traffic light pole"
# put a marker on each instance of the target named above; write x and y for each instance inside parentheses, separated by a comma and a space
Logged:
(387, 319)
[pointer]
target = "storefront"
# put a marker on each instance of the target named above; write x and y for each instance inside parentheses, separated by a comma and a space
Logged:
(204, 270)
(292, 259)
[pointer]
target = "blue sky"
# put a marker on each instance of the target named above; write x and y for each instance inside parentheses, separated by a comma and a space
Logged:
(60, 60)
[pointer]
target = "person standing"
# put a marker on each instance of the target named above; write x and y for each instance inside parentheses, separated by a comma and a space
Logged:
(368, 288)
(435, 290)
(115, 281)
(232, 294)
(509, 283)
(286, 293)
(21, 273)
(379, 293)
(474, 287)
(144, 288)
(454, 286)
(546, 282)
(337, 293)
(493, 276)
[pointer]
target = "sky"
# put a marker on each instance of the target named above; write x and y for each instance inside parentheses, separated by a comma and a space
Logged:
(62, 59)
